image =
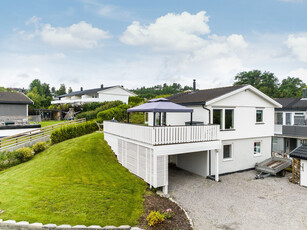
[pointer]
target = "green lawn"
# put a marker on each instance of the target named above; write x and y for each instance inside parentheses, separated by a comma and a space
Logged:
(78, 181)
(47, 123)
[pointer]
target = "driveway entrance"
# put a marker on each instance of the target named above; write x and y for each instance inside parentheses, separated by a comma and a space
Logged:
(239, 201)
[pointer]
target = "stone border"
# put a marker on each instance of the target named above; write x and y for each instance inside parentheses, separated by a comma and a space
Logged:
(24, 225)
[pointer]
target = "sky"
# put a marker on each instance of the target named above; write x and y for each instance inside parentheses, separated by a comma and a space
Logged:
(86, 43)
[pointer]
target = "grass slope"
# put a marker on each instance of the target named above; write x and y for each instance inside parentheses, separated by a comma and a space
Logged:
(78, 181)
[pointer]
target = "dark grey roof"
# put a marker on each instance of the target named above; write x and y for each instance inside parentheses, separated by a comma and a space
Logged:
(14, 98)
(300, 152)
(160, 105)
(88, 91)
(292, 104)
(202, 96)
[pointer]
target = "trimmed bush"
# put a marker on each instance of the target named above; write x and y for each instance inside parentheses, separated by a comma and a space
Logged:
(71, 131)
(133, 101)
(8, 159)
(24, 154)
(39, 147)
(155, 217)
(119, 113)
(92, 114)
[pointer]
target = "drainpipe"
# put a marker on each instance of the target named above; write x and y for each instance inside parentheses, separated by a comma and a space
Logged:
(210, 151)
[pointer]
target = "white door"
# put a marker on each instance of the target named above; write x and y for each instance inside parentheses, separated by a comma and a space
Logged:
(303, 173)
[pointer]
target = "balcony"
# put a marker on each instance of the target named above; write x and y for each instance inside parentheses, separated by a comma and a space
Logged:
(162, 135)
(291, 130)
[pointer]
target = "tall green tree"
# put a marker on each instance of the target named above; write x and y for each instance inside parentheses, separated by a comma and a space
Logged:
(36, 83)
(291, 87)
(69, 90)
(61, 90)
(264, 81)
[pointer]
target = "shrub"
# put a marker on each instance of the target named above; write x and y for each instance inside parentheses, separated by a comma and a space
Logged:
(39, 147)
(119, 113)
(66, 132)
(24, 154)
(92, 114)
(155, 217)
(8, 159)
(168, 213)
(133, 101)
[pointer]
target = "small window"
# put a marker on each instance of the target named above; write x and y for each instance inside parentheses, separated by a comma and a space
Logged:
(257, 150)
(275, 140)
(227, 153)
(259, 115)
(229, 119)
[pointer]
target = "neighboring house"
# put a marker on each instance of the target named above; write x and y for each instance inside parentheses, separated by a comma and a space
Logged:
(101, 94)
(14, 113)
(232, 131)
(13, 106)
(290, 124)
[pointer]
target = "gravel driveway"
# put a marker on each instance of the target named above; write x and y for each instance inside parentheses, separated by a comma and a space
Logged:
(239, 201)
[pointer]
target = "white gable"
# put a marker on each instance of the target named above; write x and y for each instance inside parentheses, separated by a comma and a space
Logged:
(247, 96)
(117, 91)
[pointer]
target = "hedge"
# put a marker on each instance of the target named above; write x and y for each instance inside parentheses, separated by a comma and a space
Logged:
(119, 113)
(92, 114)
(66, 132)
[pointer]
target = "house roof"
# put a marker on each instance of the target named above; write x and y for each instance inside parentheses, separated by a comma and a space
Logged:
(292, 103)
(88, 91)
(202, 96)
(14, 98)
(300, 152)
(160, 105)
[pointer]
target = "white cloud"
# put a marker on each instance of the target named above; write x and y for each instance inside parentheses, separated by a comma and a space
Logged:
(174, 32)
(80, 35)
(300, 73)
(298, 45)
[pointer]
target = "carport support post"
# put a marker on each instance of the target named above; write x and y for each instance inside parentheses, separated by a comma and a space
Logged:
(217, 165)
(165, 189)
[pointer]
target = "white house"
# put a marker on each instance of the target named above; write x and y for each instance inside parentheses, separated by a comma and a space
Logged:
(112, 93)
(232, 131)
(290, 124)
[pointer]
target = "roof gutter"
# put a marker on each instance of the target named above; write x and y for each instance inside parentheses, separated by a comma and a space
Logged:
(204, 107)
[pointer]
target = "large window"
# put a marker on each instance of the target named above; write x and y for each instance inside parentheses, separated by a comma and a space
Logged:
(224, 118)
(259, 115)
(278, 118)
(257, 148)
(218, 117)
(228, 118)
(227, 152)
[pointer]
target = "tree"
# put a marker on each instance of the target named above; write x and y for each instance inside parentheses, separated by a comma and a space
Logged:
(291, 87)
(69, 90)
(53, 90)
(46, 90)
(35, 97)
(62, 90)
(36, 83)
(265, 82)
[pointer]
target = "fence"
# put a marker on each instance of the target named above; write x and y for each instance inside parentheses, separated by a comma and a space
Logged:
(29, 138)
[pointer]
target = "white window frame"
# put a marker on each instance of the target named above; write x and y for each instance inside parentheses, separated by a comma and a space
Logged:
(231, 152)
(222, 127)
(260, 147)
(262, 120)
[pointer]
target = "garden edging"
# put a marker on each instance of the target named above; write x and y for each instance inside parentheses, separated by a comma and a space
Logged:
(24, 225)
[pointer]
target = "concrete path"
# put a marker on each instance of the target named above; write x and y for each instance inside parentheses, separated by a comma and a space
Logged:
(239, 201)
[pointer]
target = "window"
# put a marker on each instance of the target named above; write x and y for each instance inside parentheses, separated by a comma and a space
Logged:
(299, 119)
(228, 118)
(259, 115)
(275, 140)
(164, 118)
(257, 150)
(218, 117)
(224, 118)
(278, 118)
(227, 152)
(288, 119)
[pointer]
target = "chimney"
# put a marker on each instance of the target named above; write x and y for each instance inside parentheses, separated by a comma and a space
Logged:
(81, 89)
(304, 93)
(101, 86)
(194, 85)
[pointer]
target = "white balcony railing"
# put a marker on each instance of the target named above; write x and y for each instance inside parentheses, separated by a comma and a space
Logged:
(278, 129)
(162, 135)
